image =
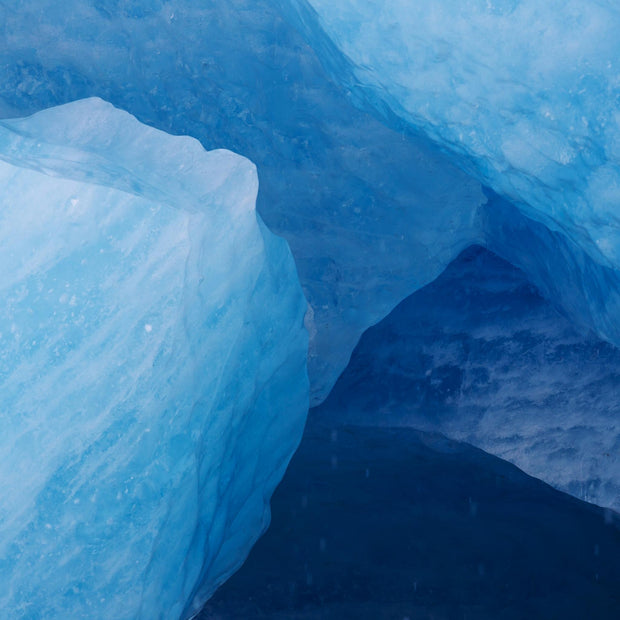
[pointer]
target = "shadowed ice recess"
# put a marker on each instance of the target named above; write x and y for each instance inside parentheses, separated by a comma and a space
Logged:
(388, 524)
(480, 356)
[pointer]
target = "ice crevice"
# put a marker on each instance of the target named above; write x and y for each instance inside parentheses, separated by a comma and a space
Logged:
(537, 127)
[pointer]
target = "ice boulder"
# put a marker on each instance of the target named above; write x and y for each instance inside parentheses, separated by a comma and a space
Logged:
(152, 366)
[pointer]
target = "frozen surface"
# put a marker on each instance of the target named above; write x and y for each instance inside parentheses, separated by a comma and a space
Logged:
(388, 138)
(375, 198)
(152, 366)
(481, 356)
(525, 96)
(370, 213)
(525, 93)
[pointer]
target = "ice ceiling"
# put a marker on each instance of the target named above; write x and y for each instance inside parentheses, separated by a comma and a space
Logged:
(388, 137)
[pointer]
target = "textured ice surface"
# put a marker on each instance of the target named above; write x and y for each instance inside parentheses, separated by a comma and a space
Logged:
(481, 356)
(374, 198)
(152, 366)
(370, 213)
(525, 93)
(520, 94)
(586, 291)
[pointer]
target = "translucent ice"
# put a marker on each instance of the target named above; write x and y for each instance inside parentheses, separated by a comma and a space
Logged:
(388, 136)
(371, 213)
(520, 94)
(152, 366)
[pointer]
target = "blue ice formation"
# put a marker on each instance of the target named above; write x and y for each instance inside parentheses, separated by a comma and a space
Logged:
(525, 95)
(152, 366)
(374, 127)
(359, 203)
(388, 137)
(480, 355)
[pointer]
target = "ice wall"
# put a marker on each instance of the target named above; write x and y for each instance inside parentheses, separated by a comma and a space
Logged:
(481, 356)
(524, 93)
(152, 366)
(371, 213)
(375, 128)
(522, 96)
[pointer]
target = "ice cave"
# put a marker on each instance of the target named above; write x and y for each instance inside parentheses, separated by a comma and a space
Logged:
(310, 309)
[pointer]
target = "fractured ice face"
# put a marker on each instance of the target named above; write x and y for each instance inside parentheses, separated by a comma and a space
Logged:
(152, 366)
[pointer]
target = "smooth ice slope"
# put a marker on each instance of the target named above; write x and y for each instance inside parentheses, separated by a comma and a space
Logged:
(370, 213)
(152, 366)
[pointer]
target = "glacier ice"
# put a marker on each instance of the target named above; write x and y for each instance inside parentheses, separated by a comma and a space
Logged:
(524, 97)
(524, 94)
(152, 366)
(370, 214)
(479, 355)
(388, 137)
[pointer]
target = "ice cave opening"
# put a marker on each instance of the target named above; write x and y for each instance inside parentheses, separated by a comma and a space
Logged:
(160, 345)
(481, 356)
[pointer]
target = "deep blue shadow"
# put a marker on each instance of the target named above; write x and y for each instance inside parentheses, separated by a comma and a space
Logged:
(480, 355)
(382, 523)
(376, 522)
